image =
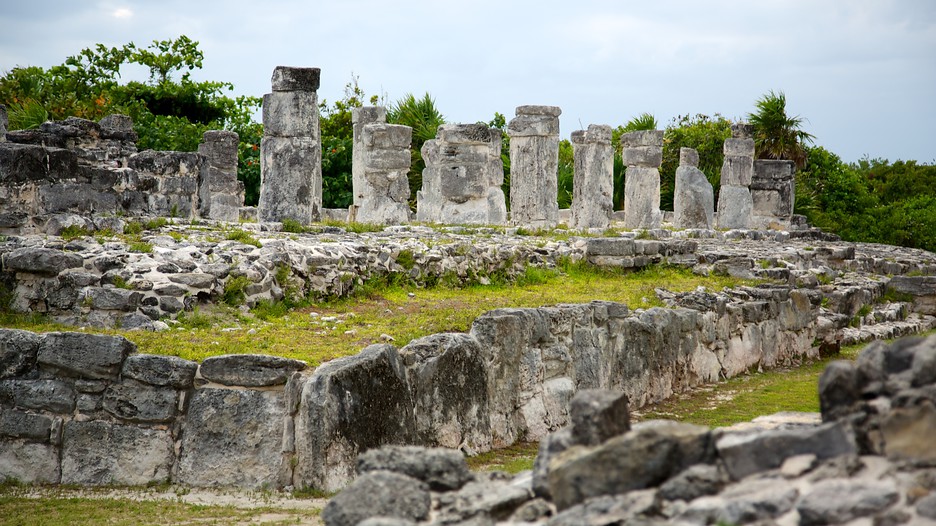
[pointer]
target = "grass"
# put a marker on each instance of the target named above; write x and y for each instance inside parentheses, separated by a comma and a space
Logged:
(513, 459)
(242, 236)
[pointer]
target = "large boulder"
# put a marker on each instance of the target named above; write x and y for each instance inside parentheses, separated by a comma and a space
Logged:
(378, 494)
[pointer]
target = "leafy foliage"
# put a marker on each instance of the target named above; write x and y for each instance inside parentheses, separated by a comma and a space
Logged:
(777, 135)
(704, 134)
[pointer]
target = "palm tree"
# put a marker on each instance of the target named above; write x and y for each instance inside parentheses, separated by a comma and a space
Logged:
(777, 135)
(422, 116)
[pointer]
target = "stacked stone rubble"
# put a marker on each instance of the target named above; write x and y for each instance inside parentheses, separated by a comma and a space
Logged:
(693, 199)
(220, 194)
(534, 165)
(291, 149)
(380, 163)
(735, 203)
(593, 184)
(642, 153)
(463, 176)
(773, 191)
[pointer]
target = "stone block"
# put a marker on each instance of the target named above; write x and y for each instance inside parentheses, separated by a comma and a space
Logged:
(746, 454)
(647, 456)
(546, 111)
(30, 462)
(137, 402)
(838, 501)
(598, 415)
(609, 246)
(596, 134)
(287, 78)
(688, 157)
(774, 170)
(98, 453)
(54, 396)
(387, 159)
(638, 139)
(379, 494)
(468, 134)
(735, 207)
(24, 163)
(172, 164)
(160, 371)
(35, 260)
(18, 424)
(392, 136)
(459, 183)
(737, 171)
(368, 115)
(642, 198)
(441, 469)
(593, 184)
(18, 351)
(290, 114)
(111, 298)
(448, 379)
(908, 433)
(771, 203)
(233, 437)
(693, 198)
(84, 355)
(291, 173)
(195, 280)
(533, 126)
(534, 162)
(739, 148)
(249, 370)
(921, 288)
(350, 405)
(646, 156)
(220, 148)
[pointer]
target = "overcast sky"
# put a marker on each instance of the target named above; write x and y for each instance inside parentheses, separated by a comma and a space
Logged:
(861, 72)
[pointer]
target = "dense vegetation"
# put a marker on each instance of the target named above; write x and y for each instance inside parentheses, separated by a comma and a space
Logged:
(871, 200)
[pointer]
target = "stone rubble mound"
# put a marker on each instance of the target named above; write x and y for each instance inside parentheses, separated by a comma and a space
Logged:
(872, 460)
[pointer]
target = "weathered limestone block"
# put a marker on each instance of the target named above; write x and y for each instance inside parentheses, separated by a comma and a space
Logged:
(384, 192)
(735, 207)
(50, 395)
(693, 199)
(534, 165)
(593, 184)
(463, 177)
(37, 260)
(18, 424)
(598, 415)
(443, 469)
(773, 190)
(448, 379)
(160, 370)
(347, 406)
(137, 402)
(361, 117)
(233, 437)
(4, 122)
(85, 355)
(30, 462)
(249, 370)
(220, 194)
(643, 154)
(291, 150)
(391, 496)
(99, 453)
(18, 351)
(921, 288)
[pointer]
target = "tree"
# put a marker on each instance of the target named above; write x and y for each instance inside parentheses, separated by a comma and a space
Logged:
(422, 116)
(777, 135)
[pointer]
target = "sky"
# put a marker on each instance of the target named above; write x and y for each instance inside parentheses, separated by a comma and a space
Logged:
(861, 73)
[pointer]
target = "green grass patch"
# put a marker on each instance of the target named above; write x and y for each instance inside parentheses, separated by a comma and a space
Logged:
(512, 459)
(242, 236)
(72, 232)
(235, 290)
(140, 246)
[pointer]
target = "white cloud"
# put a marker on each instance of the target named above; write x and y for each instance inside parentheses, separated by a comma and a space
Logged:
(122, 12)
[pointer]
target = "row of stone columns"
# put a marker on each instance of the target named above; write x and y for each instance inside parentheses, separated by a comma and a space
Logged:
(464, 173)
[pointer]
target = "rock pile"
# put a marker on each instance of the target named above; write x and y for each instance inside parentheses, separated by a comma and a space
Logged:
(871, 461)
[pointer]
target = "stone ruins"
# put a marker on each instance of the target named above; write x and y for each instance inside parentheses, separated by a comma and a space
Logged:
(463, 177)
(534, 165)
(735, 204)
(381, 162)
(642, 152)
(693, 198)
(220, 194)
(593, 183)
(773, 190)
(291, 149)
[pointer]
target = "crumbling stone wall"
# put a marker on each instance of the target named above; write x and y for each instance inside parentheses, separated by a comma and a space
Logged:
(380, 161)
(64, 172)
(773, 191)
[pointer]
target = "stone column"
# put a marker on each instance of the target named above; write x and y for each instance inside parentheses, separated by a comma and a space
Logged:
(735, 204)
(534, 166)
(381, 160)
(642, 152)
(593, 184)
(291, 151)
(220, 194)
(693, 199)
(4, 122)
(461, 183)
(773, 190)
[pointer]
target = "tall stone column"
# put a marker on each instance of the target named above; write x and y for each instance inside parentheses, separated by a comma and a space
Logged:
(220, 194)
(4, 122)
(773, 191)
(735, 204)
(381, 160)
(534, 166)
(642, 152)
(693, 197)
(291, 151)
(461, 183)
(593, 184)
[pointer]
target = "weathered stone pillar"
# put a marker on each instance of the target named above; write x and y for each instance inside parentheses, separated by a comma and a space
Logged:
(463, 176)
(642, 152)
(4, 122)
(693, 199)
(534, 166)
(381, 160)
(291, 151)
(735, 204)
(220, 194)
(773, 190)
(593, 184)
